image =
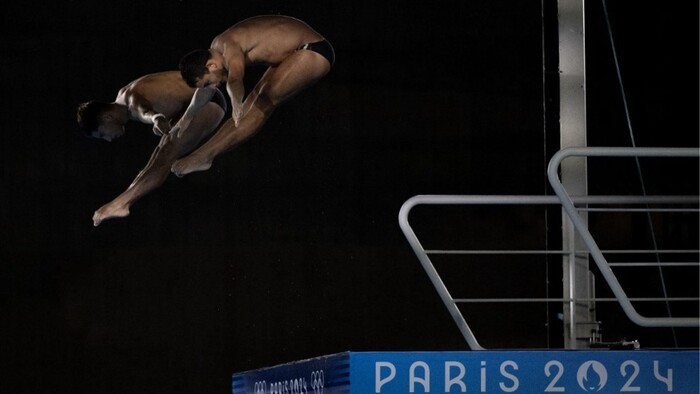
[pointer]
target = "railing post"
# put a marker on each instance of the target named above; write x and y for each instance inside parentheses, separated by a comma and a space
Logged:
(433, 274)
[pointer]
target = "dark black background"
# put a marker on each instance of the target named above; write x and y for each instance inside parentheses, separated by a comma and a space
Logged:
(289, 247)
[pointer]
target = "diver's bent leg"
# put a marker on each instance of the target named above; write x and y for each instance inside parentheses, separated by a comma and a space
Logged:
(157, 169)
(299, 71)
(226, 138)
(148, 179)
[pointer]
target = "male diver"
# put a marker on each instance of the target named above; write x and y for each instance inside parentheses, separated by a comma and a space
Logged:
(296, 55)
(159, 99)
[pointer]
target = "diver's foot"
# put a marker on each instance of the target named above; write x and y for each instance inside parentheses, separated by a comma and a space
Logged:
(190, 164)
(109, 211)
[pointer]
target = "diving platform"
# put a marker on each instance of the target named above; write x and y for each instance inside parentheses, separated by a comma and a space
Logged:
(527, 371)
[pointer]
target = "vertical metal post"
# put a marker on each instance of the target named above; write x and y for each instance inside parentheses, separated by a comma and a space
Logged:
(572, 96)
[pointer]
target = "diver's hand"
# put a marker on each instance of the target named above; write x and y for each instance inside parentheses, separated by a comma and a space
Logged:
(161, 125)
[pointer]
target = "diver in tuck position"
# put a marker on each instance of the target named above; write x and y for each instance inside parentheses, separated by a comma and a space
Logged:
(159, 99)
(297, 57)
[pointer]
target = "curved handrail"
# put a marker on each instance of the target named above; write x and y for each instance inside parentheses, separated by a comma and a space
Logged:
(433, 274)
(422, 254)
(594, 250)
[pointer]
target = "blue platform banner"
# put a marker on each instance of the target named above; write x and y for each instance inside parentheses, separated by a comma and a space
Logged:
(571, 371)
(328, 374)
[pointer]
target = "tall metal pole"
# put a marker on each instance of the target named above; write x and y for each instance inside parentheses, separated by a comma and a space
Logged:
(578, 316)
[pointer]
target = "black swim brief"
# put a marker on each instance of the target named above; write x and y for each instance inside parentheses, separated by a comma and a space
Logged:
(324, 48)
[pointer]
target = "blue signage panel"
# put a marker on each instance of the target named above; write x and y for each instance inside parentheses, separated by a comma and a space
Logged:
(327, 375)
(481, 372)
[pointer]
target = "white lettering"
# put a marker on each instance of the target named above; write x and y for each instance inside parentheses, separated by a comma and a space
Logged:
(635, 371)
(551, 387)
(379, 382)
(668, 379)
(425, 381)
(483, 376)
(450, 381)
(513, 378)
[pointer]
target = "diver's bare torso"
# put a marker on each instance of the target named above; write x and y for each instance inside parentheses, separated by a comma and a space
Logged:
(167, 94)
(265, 39)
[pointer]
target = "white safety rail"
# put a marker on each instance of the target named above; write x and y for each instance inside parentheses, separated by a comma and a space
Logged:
(572, 206)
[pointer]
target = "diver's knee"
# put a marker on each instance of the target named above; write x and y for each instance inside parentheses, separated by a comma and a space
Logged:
(213, 112)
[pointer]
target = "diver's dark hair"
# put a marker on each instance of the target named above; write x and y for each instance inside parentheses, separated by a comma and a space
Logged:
(194, 65)
(89, 115)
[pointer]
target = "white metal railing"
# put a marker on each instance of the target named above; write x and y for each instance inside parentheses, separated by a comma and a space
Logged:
(582, 229)
(569, 203)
